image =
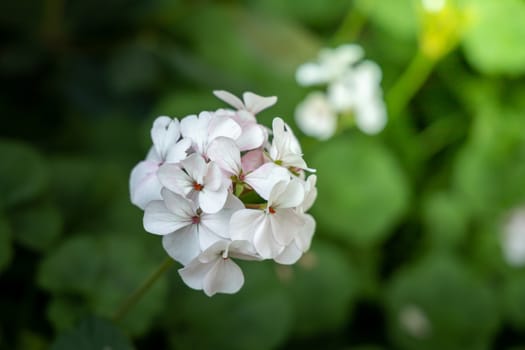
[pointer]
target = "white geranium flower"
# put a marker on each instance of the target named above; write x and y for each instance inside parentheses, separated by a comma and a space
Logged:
(272, 229)
(206, 127)
(316, 117)
(214, 271)
(285, 149)
(332, 63)
(513, 238)
(252, 103)
(227, 155)
(186, 229)
(197, 180)
(144, 184)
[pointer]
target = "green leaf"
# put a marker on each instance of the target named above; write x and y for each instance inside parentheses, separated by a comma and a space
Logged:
(101, 271)
(38, 226)
(322, 286)
(432, 305)
(6, 251)
(362, 190)
(23, 174)
(258, 317)
(93, 333)
(494, 42)
(514, 299)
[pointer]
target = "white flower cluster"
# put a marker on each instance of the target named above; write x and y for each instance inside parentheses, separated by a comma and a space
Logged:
(513, 238)
(216, 188)
(353, 87)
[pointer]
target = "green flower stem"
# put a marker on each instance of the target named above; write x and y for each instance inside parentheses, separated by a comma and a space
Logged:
(409, 83)
(134, 297)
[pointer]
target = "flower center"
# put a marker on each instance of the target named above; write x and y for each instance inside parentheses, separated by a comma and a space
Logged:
(197, 186)
(196, 219)
(271, 210)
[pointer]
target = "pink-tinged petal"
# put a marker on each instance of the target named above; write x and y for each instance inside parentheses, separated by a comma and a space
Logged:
(212, 201)
(178, 151)
(175, 179)
(154, 156)
(194, 273)
(207, 237)
(306, 233)
(215, 180)
(226, 154)
(196, 167)
(290, 255)
(229, 98)
(253, 136)
(264, 178)
(285, 224)
(160, 220)
(164, 133)
(182, 245)
(264, 241)
(225, 276)
(178, 204)
(244, 223)
(255, 103)
(144, 184)
(223, 126)
(252, 160)
(292, 196)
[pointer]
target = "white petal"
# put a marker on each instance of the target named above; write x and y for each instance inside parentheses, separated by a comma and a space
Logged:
(310, 193)
(196, 167)
(178, 204)
(255, 103)
(264, 178)
(194, 273)
(289, 255)
(292, 196)
(371, 116)
(264, 241)
(229, 98)
(160, 220)
(207, 237)
(243, 250)
(244, 223)
(305, 234)
(226, 154)
(225, 276)
(144, 184)
(219, 223)
(215, 251)
(215, 180)
(316, 117)
(178, 151)
(182, 245)
(310, 74)
(253, 136)
(212, 201)
(164, 133)
(223, 126)
(196, 129)
(285, 225)
(175, 179)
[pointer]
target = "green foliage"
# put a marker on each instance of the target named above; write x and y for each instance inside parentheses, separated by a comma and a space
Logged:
(365, 196)
(6, 251)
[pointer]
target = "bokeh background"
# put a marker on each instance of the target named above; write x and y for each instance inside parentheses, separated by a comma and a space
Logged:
(408, 252)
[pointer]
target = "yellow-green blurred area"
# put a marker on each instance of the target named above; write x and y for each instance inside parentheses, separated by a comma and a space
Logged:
(408, 251)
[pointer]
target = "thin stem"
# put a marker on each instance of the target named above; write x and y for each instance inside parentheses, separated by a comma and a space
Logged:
(134, 297)
(409, 83)
(255, 206)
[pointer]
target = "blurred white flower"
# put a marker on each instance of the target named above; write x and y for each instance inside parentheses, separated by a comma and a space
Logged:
(194, 177)
(513, 238)
(433, 5)
(414, 321)
(316, 117)
(354, 89)
(330, 65)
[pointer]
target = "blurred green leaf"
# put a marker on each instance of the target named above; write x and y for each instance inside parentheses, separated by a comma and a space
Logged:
(6, 251)
(494, 42)
(23, 174)
(102, 270)
(362, 190)
(258, 317)
(93, 333)
(514, 299)
(432, 305)
(37, 227)
(322, 286)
